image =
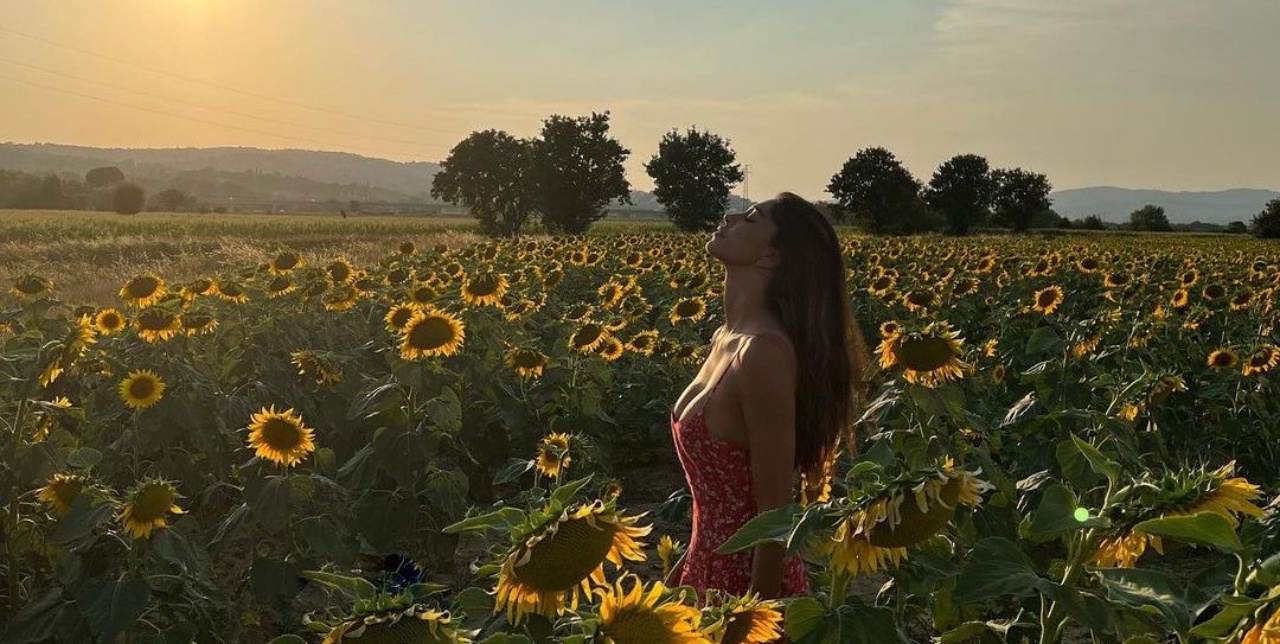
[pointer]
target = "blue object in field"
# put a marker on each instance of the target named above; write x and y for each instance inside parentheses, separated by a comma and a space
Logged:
(402, 573)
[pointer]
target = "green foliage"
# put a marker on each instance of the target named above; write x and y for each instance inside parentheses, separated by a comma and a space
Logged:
(104, 177)
(1019, 197)
(880, 194)
(489, 172)
(693, 173)
(128, 199)
(1266, 223)
(172, 200)
(1149, 218)
(577, 171)
(961, 190)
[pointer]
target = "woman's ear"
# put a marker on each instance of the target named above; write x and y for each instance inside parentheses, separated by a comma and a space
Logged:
(770, 259)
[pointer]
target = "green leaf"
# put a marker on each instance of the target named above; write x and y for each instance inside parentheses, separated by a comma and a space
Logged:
(1056, 513)
(863, 624)
(379, 398)
(1226, 620)
(474, 604)
(500, 519)
(81, 521)
(513, 470)
(1139, 587)
(970, 631)
(773, 525)
(1099, 462)
(352, 587)
(1043, 340)
(111, 606)
(565, 493)
(271, 505)
(84, 457)
(805, 621)
(36, 621)
(287, 639)
(1207, 528)
(996, 567)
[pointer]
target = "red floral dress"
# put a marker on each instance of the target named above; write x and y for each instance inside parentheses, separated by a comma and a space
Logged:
(719, 477)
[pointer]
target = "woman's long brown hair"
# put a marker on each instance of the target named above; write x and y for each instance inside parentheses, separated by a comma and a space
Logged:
(807, 294)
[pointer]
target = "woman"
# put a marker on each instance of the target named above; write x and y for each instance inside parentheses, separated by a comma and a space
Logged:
(773, 397)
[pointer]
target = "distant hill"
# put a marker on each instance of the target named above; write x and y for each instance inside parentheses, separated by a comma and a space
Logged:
(1115, 204)
(216, 174)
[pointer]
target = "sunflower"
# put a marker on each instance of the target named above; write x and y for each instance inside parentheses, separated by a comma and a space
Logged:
(1267, 632)
(815, 487)
(198, 323)
(280, 286)
(643, 342)
(588, 337)
(1262, 360)
(1180, 298)
(143, 290)
(108, 321)
(527, 363)
(141, 389)
(553, 455)
(423, 295)
(919, 300)
(1088, 265)
(339, 271)
(286, 261)
(1186, 493)
(1213, 293)
(31, 285)
(399, 317)
(418, 624)
(280, 436)
(578, 312)
(61, 491)
(342, 297)
(1047, 300)
(148, 505)
(563, 558)
(484, 289)
(1242, 300)
(668, 550)
(316, 366)
(432, 333)
(1223, 359)
(928, 358)
(611, 349)
(689, 308)
(611, 294)
(195, 288)
(747, 620)
(647, 616)
(156, 324)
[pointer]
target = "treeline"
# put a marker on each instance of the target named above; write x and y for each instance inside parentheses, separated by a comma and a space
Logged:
(569, 174)
(102, 188)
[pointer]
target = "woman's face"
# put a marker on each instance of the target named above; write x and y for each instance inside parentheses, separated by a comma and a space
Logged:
(746, 238)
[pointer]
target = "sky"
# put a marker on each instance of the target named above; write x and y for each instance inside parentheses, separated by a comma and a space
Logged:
(1158, 94)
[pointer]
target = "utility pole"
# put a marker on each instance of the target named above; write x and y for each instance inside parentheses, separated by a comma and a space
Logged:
(746, 184)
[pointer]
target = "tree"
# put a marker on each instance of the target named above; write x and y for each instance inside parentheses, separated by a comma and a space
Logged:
(577, 171)
(129, 198)
(961, 191)
(1149, 218)
(1093, 222)
(104, 177)
(1237, 228)
(692, 174)
(879, 193)
(171, 200)
(1266, 224)
(1020, 196)
(488, 173)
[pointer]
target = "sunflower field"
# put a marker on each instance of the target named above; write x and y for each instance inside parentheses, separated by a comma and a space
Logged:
(1063, 439)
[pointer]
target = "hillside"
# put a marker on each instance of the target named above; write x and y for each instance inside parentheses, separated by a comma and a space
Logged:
(1115, 204)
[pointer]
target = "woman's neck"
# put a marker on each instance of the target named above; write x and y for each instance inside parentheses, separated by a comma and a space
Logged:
(746, 304)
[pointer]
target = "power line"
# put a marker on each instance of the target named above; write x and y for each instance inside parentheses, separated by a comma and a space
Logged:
(228, 88)
(170, 114)
(222, 110)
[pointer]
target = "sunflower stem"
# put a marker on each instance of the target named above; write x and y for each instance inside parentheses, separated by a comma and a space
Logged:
(15, 509)
(838, 585)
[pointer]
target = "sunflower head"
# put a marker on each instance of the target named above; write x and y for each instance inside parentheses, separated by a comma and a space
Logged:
(747, 620)
(339, 271)
(156, 324)
(553, 455)
(563, 557)
(588, 337)
(141, 389)
(61, 491)
(399, 316)
(148, 505)
(689, 308)
(416, 624)
(928, 357)
(143, 290)
(644, 614)
(1263, 359)
(280, 436)
(432, 333)
(31, 285)
(1223, 359)
(285, 261)
(611, 349)
(527, 363)
(317, 365)
(1048, 299)
(108, 321)
(485, 289)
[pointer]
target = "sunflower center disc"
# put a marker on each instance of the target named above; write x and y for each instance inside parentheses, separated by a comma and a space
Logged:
(563, 560)
(639, 626)
(924, 353)
(281, 435)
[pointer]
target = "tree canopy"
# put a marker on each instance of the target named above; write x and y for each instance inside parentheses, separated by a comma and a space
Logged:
(693, 174)
(961, 190)
(1149, 218)
(577, 171)
(488, 172)
(1267, 223)
(879, 193)
(1019, 197)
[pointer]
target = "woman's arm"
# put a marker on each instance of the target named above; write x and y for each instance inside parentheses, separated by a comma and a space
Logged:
(768, 394)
